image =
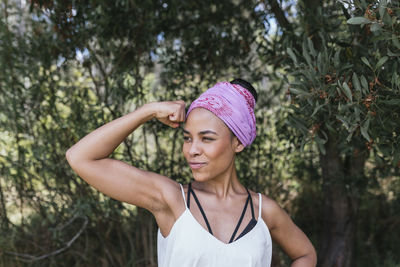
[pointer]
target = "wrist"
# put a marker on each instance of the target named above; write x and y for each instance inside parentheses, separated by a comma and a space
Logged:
(149, 110)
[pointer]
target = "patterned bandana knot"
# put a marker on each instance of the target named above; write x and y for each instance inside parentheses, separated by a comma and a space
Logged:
(234, 105)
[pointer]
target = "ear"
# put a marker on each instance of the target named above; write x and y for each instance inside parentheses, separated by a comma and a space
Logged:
(238, 146)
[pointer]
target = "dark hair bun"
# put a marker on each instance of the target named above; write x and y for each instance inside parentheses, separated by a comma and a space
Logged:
(246, 85)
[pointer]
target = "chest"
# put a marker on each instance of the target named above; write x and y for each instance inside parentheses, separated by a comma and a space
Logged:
(225, 221)
(189, 244)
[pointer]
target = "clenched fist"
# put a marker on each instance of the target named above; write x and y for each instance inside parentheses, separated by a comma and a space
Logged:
(170, 113)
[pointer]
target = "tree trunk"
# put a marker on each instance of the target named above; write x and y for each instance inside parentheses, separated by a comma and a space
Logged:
(340, 206)
(3, 211)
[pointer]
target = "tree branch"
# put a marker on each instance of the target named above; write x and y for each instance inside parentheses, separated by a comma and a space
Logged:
(279, 14)
(30, 258)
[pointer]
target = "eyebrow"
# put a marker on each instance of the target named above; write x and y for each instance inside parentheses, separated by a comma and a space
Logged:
(202, 132)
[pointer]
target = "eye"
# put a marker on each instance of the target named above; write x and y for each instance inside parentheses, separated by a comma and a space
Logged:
(208, 139)
(186, 138)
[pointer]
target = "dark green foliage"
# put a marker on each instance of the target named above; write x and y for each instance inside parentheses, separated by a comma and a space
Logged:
(67, 68)
(349, 86)
(344, 89)
(50, 98)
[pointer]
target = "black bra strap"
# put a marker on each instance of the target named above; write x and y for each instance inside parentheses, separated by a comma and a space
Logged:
(248, 228)
(249, 199)
(188, 196)
(240, 220)
(251, 204)
(190, 190)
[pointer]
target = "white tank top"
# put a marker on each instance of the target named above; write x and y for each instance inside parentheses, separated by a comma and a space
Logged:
(190, 245)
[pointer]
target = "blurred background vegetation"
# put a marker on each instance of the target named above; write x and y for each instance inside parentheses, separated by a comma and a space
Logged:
(328, 115)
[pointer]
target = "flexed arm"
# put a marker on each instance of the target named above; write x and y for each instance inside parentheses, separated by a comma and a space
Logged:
(89, 157)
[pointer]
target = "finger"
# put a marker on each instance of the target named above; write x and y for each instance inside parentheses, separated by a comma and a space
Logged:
(183, 115)
(181, 110)
(178, 117)
(172, 117)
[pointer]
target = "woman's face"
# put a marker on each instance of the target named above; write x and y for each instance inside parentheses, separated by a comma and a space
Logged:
(209, 145)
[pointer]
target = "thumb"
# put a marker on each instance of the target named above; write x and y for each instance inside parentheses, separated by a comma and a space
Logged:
(172, 117)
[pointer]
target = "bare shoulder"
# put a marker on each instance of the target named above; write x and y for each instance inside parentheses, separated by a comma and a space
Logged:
(286, 233)
(271, 212)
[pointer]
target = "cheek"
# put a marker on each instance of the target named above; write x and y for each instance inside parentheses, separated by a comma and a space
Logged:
(220, 151)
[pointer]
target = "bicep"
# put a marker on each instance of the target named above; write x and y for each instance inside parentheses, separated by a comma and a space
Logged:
(124, 182)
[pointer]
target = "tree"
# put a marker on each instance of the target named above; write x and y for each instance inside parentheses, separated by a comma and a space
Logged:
(343, 60)
(67, 67)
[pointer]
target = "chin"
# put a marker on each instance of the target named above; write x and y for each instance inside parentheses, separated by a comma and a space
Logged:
(200, 177)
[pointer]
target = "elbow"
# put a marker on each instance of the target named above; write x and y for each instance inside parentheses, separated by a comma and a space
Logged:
(314, 258)
(71, 158)
(312, 255)
(75, 158)
(309, 258)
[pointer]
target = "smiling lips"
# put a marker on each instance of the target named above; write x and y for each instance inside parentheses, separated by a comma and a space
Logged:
(196, 165)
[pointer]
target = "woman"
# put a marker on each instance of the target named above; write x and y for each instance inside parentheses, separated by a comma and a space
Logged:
(213, 221)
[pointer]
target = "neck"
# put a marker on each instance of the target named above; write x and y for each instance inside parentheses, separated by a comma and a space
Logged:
(223, 185)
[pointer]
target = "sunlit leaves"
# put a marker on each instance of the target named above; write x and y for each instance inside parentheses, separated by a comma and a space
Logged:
(344, 88)
(358, 21)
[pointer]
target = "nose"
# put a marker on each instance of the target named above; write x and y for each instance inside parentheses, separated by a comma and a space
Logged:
(194, 149)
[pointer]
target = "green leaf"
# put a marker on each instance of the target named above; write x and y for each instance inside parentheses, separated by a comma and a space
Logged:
(330, 128)
(351, 132)
(298, 124)
(299, 92)
(356, 82)
(307, 56)
(394, 102)
(311, 47)
(338, 90)
(391, 54)
(325, 136)
(364, 130)
(382, 8)
(346, 90)
(348, 139)
(343, 120)
(381, 62)
(366, 62)
(320, 64)
(396, 80)
(395, 40)
(356, 118)
(375, 27)
(325, 62)
(308, 74)
(387, 20)
(364, 83)
(292, 55)
(319, 139)
(336, 59)
(317, 108)
(358, 21)
(320, 144)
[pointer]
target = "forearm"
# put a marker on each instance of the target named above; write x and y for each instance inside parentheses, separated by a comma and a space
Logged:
(104, 140)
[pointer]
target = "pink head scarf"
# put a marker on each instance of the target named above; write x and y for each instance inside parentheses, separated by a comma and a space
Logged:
(234, 105)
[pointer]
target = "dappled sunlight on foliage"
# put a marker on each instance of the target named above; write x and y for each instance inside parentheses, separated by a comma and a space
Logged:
(329, 93)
